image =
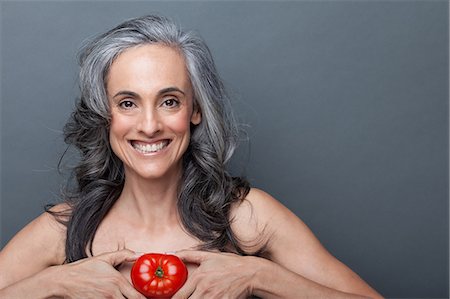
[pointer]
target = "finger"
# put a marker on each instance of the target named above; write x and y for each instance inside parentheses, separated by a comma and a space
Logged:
(123, 287)
(128, 290)
(118, 257)
(186, 290)
(193, 256)
(118, 294)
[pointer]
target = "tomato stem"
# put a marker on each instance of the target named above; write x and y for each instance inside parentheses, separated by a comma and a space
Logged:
(159, 272)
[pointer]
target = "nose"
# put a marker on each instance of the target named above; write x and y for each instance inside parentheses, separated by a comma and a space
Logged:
(149, 122)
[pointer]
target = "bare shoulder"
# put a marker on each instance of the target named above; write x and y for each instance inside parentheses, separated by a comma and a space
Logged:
(291, 244)
(40, 244)
(255, 219)
(257, 206)
(266, 206)
(260, 213)
(262, 217)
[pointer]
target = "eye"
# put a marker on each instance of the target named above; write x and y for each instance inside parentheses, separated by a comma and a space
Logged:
(126, 104)
(170, 103)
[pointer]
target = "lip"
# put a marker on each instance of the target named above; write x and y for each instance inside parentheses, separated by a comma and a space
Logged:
(141, 146)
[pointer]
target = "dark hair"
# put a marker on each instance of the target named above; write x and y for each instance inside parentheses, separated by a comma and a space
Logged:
(207, 190)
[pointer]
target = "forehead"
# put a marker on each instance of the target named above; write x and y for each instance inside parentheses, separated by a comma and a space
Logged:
(151, 66)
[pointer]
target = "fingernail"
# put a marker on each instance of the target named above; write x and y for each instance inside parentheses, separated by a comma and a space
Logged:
(170, 252)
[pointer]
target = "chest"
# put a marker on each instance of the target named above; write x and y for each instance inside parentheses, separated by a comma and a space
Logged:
(111, 237)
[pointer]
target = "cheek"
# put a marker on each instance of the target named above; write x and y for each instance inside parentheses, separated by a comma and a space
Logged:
(181, 125)
(118, 127)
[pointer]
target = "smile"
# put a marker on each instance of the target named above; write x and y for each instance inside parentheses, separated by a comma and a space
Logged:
(147, 148)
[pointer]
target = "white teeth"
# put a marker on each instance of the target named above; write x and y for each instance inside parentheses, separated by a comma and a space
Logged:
(150, 148)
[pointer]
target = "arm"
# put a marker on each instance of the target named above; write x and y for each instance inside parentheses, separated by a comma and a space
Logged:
(37, 246)
(32, 267)
(293, 246)
(225, 275)
(297, 264)
(274, 281)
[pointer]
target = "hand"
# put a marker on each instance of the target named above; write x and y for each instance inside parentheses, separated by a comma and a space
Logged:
(219, 275)
(96, 277)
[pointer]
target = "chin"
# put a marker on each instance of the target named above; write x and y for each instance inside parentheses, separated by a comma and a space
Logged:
(156, 173)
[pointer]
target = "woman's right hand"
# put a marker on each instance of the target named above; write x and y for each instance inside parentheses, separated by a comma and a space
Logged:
(96, 277)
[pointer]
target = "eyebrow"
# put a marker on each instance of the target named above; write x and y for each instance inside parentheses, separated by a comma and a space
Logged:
(170, 89)
(161, 92)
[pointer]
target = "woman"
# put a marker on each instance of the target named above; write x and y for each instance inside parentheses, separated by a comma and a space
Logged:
(154, 131)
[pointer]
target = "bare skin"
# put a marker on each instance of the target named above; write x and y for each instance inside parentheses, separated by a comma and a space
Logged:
(292, 269)
(152, 112)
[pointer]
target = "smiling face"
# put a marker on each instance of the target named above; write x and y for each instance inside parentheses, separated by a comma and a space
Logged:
(151, 102)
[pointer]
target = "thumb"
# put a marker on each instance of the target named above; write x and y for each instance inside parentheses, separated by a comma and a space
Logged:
(117, 257)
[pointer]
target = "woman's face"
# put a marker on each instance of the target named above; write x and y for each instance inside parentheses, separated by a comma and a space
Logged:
(151, 102)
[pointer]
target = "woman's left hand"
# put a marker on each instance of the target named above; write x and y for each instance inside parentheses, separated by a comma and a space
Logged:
(219, 275)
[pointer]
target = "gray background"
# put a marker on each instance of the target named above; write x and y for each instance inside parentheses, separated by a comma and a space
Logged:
(346, 106)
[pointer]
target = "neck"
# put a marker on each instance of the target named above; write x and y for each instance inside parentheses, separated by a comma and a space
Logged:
(151, 201)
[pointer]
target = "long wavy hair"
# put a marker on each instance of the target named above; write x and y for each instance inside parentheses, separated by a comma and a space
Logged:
(207, 190)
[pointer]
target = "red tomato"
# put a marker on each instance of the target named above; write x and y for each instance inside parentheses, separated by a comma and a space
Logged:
(157, 275)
